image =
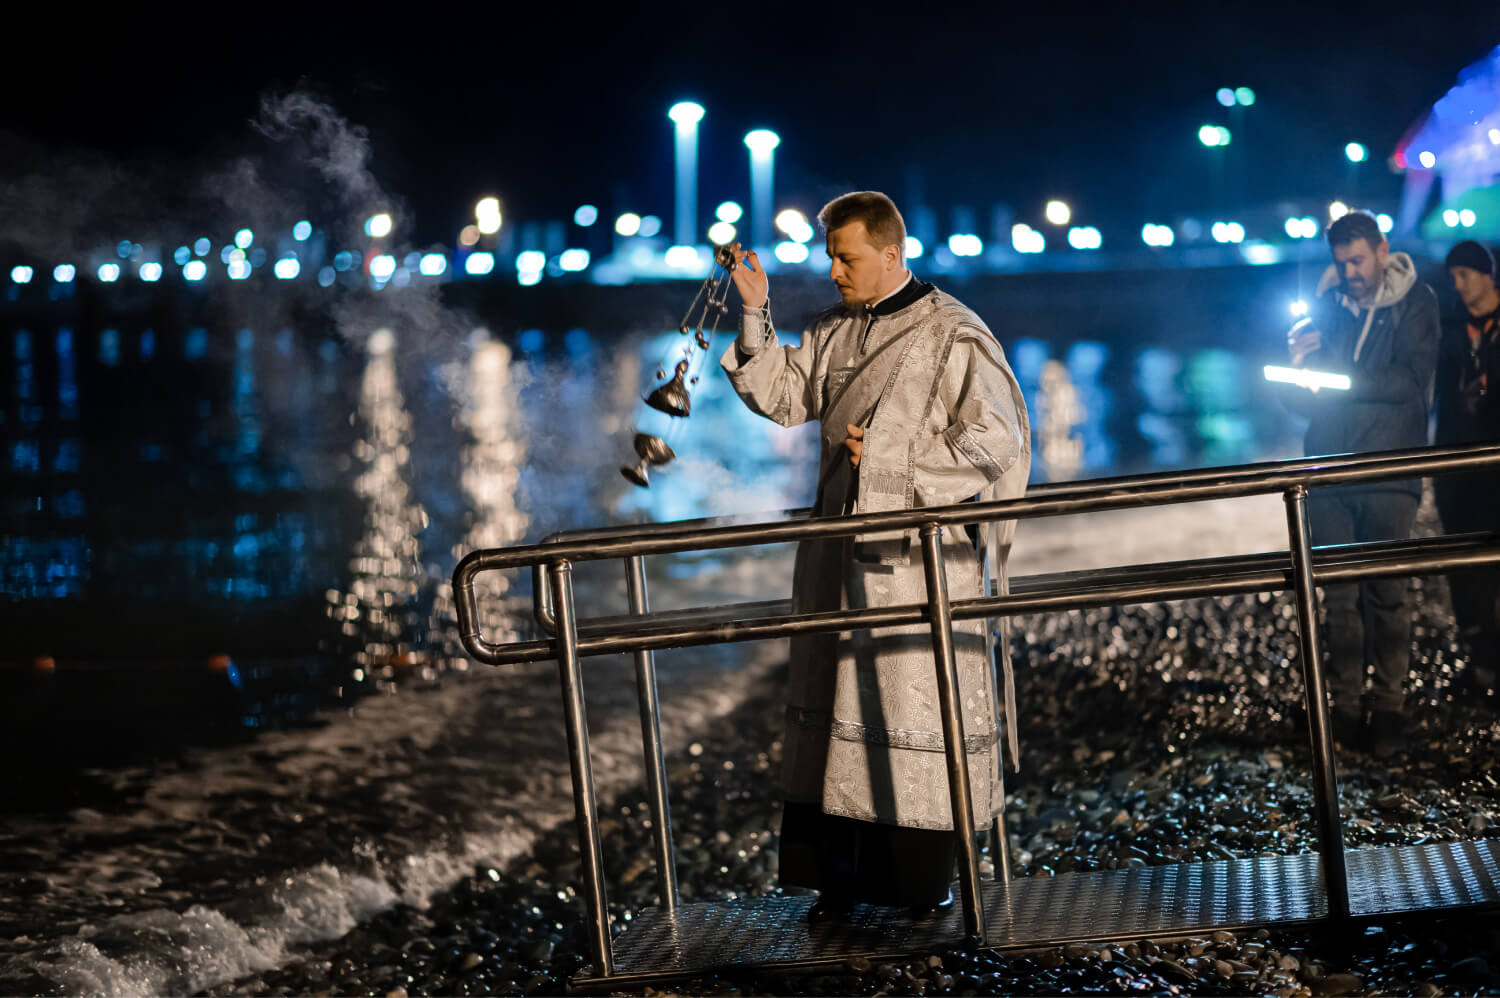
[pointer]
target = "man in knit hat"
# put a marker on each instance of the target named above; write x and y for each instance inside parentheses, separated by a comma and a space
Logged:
(1375, 322)
(1468, 382)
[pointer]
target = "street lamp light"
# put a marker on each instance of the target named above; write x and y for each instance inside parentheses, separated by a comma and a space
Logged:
(686, 115)
(762, 144)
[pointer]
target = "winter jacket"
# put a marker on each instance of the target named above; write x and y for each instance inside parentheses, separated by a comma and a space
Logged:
(1388, 351)
(1468, 381)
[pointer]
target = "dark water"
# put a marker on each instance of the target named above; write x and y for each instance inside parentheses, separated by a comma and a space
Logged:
(231, 657)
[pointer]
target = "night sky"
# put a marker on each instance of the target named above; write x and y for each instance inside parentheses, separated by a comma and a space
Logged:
(549, 106)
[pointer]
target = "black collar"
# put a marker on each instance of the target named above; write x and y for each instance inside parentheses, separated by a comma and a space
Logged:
(913, 291)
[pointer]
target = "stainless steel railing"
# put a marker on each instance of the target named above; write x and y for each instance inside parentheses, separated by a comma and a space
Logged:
(1299, 569)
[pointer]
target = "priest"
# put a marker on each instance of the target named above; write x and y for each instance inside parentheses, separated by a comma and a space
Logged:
(917, 407)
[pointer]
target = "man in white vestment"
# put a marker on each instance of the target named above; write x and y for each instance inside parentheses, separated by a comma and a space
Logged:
(918, 407)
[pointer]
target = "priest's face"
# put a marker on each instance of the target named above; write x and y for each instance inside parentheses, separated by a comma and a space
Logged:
(862, 271)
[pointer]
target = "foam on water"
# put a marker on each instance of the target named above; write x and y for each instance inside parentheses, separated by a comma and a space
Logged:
(184, 948)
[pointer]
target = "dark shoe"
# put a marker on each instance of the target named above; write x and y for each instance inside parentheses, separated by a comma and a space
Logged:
(922, 912)
(830, 908)
(1385, 733)
(1347, 728)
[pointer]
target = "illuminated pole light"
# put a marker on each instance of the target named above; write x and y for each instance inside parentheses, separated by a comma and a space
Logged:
(479, 264)
(1337, 210)
(378, 226)
(487, 215)
(965, 244)
(382, 266)
(762, 180)
(529, 265)
(573, 260)
(762, 144)
(914, 247)
(795, 225)
(109, 273)
(1025, 239)
(1244, 96)
(1294, 228)
(791, 252)
(195, 270)
(1228, 232)
(1427, 159)
(1058, 212)
(21, 274)
(682, 257)
(650, 226)
(1450, 218)
(150, 272)
(1386, 222)
(1298, 308)
(244, 238)
(239, 269)
(202, 246)
(286, 268)
(182, 255)
(1213, 135)
(685, 116)
(1225, 96)
(432, 265)
(1467, 218)
(1084, 237)
(302, 231)
(721, 233)
(1157, 235)
(585, 216)
(468, 235)
(628, 224)
(1356, 152)
(729, 211)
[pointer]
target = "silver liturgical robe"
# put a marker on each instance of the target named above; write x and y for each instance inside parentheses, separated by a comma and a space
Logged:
(944, 421)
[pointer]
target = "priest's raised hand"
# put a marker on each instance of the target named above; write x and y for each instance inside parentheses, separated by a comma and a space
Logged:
(750, 281)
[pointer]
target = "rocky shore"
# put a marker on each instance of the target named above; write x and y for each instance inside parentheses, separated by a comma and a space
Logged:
(1150, 735)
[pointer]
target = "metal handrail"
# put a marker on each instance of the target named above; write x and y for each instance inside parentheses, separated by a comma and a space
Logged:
(1299, 572)
(1134, 491)
(1156, 582)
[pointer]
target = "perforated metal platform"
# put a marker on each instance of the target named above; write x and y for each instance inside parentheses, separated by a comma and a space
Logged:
(1098, 905)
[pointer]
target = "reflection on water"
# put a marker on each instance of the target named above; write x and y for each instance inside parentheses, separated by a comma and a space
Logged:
(282, 470)
(386, 572)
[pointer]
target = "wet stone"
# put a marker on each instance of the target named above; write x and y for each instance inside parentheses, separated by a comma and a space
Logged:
(1338, 984)
(1472, 968)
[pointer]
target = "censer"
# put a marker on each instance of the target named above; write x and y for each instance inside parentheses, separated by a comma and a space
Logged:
(674, 395)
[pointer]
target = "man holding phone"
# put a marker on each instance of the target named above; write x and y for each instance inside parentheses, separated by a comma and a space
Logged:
(1375, 322)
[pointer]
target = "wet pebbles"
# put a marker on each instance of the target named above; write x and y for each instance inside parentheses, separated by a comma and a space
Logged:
(1150, 735)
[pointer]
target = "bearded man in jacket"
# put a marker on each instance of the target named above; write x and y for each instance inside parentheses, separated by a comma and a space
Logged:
(1377, 323)
(918, 407)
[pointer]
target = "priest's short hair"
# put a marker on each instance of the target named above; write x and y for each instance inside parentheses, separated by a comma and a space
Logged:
(882, 221)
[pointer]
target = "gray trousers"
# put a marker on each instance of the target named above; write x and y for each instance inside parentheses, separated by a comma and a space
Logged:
(1368, 623)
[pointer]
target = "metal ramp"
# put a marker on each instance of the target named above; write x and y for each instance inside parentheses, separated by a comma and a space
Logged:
(1093, 906)
(1332, 885)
